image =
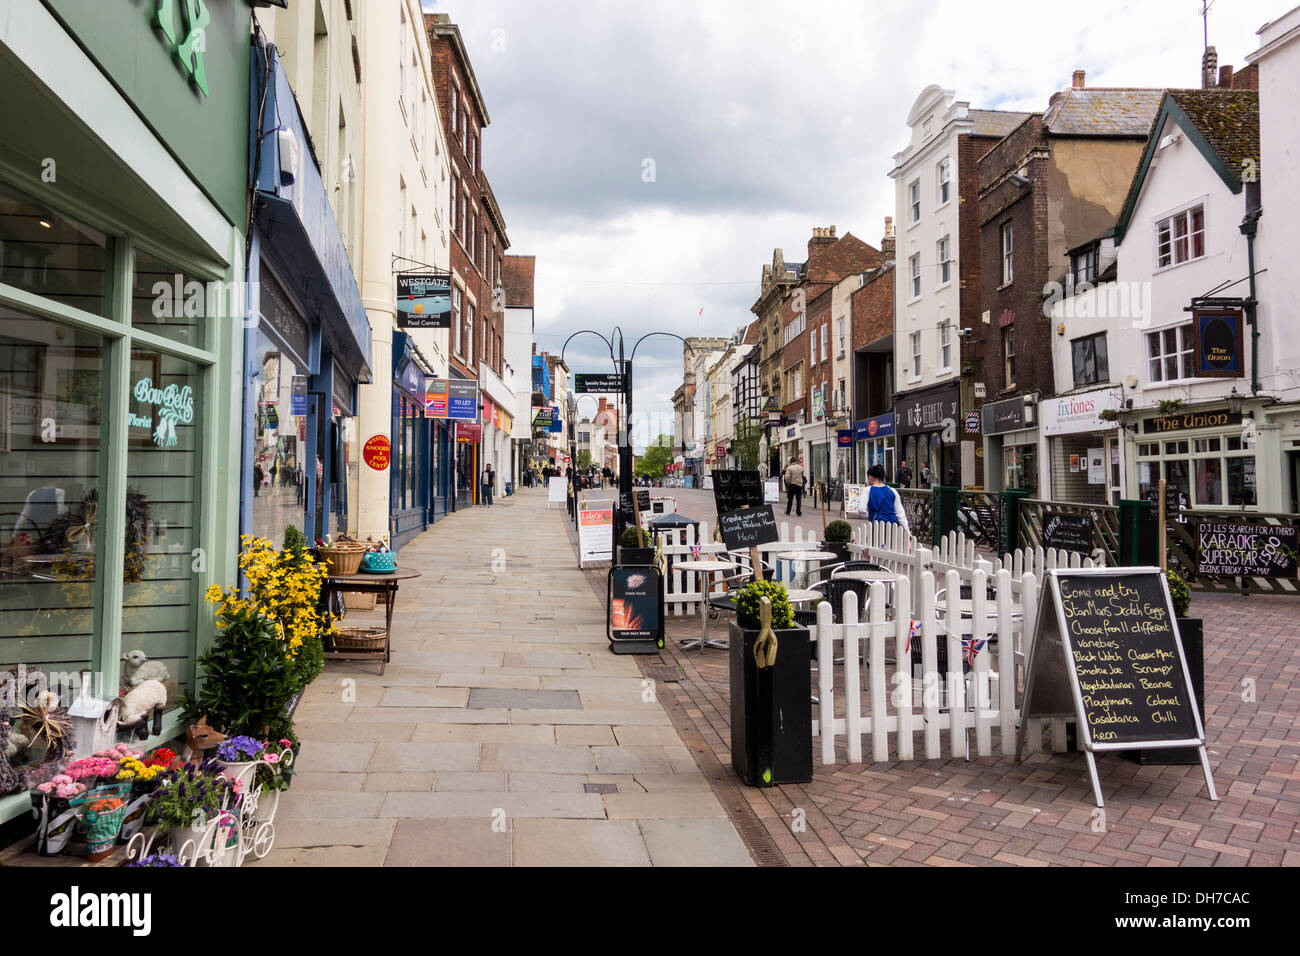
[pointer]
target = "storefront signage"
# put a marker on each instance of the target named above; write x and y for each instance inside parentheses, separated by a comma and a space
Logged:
(737, 489)
(489, 411)
(469, 432)
(280, 314)
(541, 377)
(877, 427)
(544, 415)
(423, 301)
(462, 399)
(188, 46)
(601, 382)
(377, 452)
(844, 438)
(435, 398)
(1176, 423)
(175, 407)
(1246, 549)
(1106, 648)
(929, 411)
(1068, 533)
(1217, 343)
(1069, 414)
(298, 397)
(1005, 416)
(411, 380)
(635, 606)
(595, 534)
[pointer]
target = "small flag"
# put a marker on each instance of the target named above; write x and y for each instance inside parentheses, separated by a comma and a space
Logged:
(695, 551)
(971, 648)
(914, 631)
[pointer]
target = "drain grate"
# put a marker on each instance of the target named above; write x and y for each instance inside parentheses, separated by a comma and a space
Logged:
(600, 787)
(750, 829)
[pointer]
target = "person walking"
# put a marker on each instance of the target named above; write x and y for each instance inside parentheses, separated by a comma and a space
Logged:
(904, 476)
(794, 479)
(489, 482)
(925, 474)
(883, 502)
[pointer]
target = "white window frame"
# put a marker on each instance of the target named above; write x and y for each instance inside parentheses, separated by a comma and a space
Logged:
(916, 356)
(1185, 215)
(1008, 356)
(1182, 354)
(943, 251)
(945, 347)
(1008, 240)
(914, 270)
(841, 333)
(826, 345)
(943, 181)
(914, 201)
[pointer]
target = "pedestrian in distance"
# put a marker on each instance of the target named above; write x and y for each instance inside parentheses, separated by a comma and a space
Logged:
(904, 476)
(257, 478)
(795, 479)
(925, 474)
(489, 482)
(883, 502)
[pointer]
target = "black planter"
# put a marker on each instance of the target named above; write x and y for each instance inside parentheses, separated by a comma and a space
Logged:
(839, 548)
(1190, 629)
(629, 557)
(771, 710)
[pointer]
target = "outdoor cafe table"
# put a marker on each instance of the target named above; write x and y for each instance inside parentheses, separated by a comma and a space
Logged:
(385, 584)
(805, 557)
(703, 568)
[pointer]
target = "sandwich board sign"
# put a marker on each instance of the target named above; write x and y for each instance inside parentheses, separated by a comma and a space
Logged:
(635, 602)
(595, 532)
(1106, 651)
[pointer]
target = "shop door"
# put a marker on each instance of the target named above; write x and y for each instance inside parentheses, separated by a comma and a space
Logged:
(1114, 472)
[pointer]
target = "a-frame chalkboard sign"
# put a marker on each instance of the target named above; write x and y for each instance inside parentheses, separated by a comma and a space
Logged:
(1106, 650)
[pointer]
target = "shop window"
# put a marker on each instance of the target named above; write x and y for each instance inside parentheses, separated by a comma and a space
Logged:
(1241, 481)
(280, 466)
(1090, 360)
(1169, 354)
(50, 255)
(169, 303)
(52, 380)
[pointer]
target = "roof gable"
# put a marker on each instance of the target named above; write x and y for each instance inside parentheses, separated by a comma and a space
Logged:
(1223, 125)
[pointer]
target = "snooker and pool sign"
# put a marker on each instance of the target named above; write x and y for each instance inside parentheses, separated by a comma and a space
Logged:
(376, 452)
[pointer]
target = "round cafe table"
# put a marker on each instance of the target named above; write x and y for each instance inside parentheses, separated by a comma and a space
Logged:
(704, 568)
(805, 557)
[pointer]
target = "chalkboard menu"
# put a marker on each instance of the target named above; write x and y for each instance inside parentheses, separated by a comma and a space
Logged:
(1106, 650)
(1246, 549)
(625, 504)
(1068, 533)
(748, 527)
(737, 489)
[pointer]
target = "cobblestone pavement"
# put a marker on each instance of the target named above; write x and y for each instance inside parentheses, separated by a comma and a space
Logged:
(994, 811)
(503, 732)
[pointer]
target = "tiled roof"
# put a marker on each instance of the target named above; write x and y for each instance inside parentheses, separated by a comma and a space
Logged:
(995, 122)
(751, 333)
(1228, 119)
(1102, 111)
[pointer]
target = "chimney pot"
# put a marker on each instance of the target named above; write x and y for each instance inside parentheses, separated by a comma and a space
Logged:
(1078, 79)
(1225, 77)
(1209, 67)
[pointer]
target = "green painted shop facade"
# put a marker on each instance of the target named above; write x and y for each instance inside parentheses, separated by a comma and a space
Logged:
(123, 223)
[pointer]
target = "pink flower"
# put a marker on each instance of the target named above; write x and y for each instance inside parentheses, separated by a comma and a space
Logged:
(271, 757)
(286, 742)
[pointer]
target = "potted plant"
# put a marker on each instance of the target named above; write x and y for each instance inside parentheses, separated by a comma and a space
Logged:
(101, 812)
(185, 804)
(636, 547)
(838, 535)
(55, 818)
(771, 719)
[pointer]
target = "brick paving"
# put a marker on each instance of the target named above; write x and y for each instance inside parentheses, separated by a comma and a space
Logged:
(993, 811)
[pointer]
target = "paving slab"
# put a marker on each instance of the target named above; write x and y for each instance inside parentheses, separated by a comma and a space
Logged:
(682, 842)
(447, 843)
(579, 843)
(484, 698)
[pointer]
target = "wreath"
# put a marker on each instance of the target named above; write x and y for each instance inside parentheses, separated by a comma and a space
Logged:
(74, 531)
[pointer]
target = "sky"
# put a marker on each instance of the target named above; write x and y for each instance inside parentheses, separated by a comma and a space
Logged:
(652, 155)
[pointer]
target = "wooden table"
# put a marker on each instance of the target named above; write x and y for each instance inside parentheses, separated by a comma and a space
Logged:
(385, 584)
(703, 568)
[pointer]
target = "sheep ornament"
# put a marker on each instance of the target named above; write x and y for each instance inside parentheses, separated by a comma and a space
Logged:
(133, 710)
(137, 668)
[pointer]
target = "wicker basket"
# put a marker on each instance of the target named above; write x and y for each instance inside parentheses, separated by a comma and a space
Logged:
(359, 600)
(360, 638)
(342, 560)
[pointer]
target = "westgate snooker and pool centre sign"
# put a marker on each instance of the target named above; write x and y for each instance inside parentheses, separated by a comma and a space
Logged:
(423, 301)
(376, 452)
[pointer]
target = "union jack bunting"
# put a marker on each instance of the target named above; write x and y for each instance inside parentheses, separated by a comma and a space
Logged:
(913, 631)
(971, 648)
(695, 551)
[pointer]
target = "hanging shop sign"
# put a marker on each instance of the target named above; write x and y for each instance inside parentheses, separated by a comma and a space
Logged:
(436, 394)
(469, 432)
(462, 399)
(377, 452)
(1246, 549)
(844, 437)
(597, 382)
(1068, 414)
(1217, 343)
(748, 527)
(544, 416)
(1176, 423)
(423, 301)
(1106, 650)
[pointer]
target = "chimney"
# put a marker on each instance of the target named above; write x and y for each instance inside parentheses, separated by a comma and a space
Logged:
(887, 243)
(1078, 79)
(822, 237)
(1225, 77)
(1209, 67)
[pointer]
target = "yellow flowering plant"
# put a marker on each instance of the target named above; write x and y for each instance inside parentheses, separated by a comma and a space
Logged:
(136, 770)
(283, 585)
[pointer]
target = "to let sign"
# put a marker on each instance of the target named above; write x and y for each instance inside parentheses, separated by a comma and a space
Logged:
(376, 452)
(1246, 549)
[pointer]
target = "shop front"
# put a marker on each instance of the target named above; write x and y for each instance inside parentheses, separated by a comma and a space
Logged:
(1206, 456)
(926, 422)
(873, 444)
(1011, 444)
(1082, 454)
(463, 409)
(413, 454)
(307, 337)
(121, 278)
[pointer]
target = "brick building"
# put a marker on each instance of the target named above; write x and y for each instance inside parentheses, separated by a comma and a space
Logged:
(778, 279)
(1049, 194)
(478, 248)
(871, 311)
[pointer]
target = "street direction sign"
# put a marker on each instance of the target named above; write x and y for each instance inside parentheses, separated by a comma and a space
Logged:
(597, 382)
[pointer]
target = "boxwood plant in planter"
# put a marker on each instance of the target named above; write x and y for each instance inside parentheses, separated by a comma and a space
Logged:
(771, 713)
(636, 546)
(838, 535)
